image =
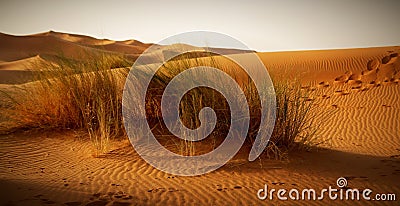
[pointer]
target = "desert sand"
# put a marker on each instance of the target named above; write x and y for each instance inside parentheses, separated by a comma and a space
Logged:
(359, 89)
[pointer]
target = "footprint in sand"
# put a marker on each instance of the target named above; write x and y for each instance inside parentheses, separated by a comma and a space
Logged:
(122, 195)
(375, 83)
(337, 92)
(386, 59)
(355, 82)
(373, 65)
(237, 187)
(394, 55)
(355, 77)
(323, 84)
(222, 189)
(357, 88)
(325, 96)
(162, 190)
(305, 87)
(368, 72)
(342, 79)
(341, 92)
(312, 89)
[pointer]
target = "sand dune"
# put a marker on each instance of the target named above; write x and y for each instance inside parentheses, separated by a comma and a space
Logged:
(357, 92)
(76, 38)
(18, 54)
(20, 47)
(22, 64)
(316, 66)
(53, 43)
(19, 71)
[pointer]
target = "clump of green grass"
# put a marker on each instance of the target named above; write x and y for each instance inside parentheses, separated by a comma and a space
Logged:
(84, 94)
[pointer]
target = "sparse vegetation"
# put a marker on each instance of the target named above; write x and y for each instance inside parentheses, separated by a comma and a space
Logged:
(87, 94)
(295, 124)
(73, 94)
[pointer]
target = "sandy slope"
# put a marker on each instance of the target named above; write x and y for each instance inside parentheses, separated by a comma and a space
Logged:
(19, 54)
(357, 92)
(55, 43)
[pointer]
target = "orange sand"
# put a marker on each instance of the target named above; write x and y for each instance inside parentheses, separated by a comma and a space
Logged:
(358, 88)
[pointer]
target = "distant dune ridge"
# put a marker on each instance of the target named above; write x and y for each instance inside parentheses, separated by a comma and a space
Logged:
(47, 45)
(359, 88)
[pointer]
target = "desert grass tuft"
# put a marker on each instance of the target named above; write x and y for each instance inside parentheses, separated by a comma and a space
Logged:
(87, 94)
(295, 125)
(84, 94)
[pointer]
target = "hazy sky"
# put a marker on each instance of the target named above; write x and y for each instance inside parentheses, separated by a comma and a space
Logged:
(262, 25)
